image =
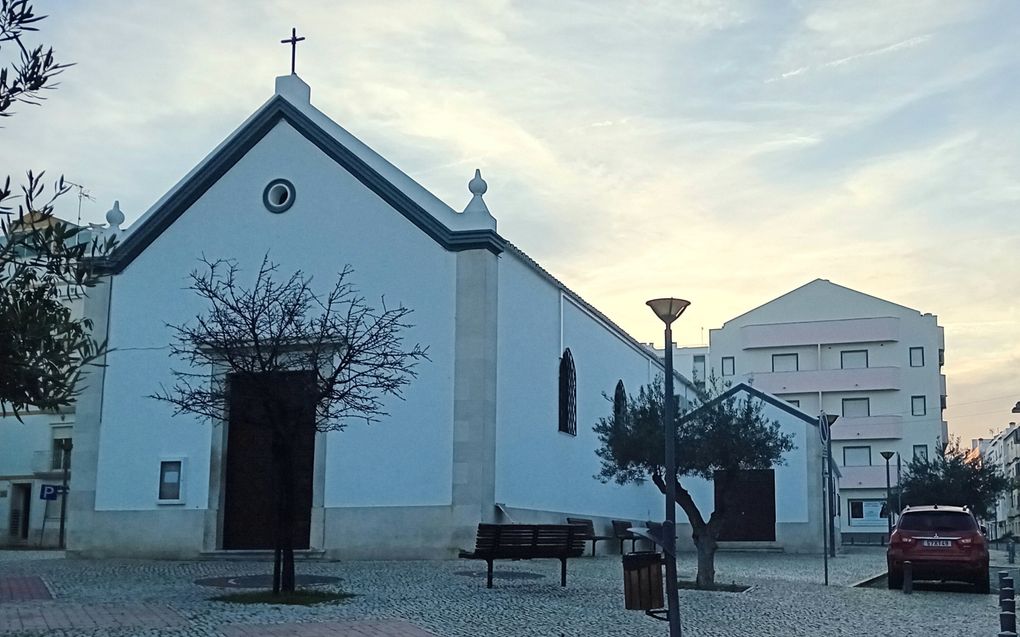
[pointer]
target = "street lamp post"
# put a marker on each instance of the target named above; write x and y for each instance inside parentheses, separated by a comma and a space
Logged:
(888, 488)
(669, 310)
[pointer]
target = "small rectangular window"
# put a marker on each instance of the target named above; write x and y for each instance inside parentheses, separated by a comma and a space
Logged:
(785, 363)
(917, 357)
(856, 456)
(856, 407)
(170, 479)
(921, 451)
(942, 357)
(727, 366)
(853, 359)
(699, 367)
(795, 403)
(917, 406)
(60, 454)
(942, 402)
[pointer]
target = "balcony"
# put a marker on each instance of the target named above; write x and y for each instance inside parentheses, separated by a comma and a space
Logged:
(867, 330)
(872, 477)
(870, 428)
(828, 380)
(46, 463)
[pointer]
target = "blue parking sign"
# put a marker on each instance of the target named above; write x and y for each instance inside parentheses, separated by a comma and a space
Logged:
(50, 491)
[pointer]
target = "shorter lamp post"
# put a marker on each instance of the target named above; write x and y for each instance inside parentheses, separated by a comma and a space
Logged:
(888, 488)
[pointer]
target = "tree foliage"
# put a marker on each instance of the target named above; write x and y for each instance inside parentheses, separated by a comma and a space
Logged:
(45, 263)
(953, 479)
(353, 353)
(716, 437)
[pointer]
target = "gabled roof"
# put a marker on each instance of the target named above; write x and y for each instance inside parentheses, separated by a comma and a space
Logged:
(817, 282)
(757, 393)
(278, 109)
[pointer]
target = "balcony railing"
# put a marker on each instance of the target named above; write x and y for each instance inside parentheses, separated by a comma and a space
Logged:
(828, 380)
(872, 477)
(865, 330)
(47, 462)
(870, 428)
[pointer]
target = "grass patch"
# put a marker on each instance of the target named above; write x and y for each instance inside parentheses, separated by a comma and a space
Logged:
(688, 585)
(296, 598)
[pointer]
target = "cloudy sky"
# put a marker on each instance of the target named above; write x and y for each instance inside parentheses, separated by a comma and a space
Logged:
(725, 152)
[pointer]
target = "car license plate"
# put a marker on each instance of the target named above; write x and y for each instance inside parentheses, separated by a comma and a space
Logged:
(937, 543)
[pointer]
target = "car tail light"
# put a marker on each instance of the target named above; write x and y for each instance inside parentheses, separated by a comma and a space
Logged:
(897, 539)
(974, 540)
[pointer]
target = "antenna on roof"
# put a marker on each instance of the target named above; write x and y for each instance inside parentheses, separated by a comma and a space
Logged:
(83, 193)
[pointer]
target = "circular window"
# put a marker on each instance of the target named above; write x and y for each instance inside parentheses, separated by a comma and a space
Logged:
(278, 195)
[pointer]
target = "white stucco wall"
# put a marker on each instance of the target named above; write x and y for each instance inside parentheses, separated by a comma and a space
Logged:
(334, 221)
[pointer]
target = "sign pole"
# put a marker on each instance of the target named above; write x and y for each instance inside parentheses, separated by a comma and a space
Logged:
(825, 499)
(66, 447)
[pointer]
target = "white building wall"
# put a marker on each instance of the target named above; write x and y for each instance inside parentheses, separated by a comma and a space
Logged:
(404, 458)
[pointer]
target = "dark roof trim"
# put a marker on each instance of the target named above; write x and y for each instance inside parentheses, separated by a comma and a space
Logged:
(244, 140)
(757, 393)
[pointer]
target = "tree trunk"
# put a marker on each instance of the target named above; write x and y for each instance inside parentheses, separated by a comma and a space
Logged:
(706, 546)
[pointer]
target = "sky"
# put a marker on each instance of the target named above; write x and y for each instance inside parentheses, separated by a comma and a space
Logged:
(722, 152)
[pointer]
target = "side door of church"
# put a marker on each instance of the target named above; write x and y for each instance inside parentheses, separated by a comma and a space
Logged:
(750, 508)
(250, 496)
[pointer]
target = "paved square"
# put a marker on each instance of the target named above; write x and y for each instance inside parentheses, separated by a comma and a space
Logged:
(129, 598)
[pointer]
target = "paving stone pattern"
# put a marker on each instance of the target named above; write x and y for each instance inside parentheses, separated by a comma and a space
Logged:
(425, 598)
(20, 589)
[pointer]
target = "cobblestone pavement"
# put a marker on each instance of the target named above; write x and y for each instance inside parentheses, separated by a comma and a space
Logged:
(449, 599)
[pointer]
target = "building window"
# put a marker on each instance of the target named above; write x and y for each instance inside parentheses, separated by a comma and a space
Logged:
(856, 456)
(278, 196)
(170, 480)
(61, 453)
(942, 402)
(699, 368)
(568, 394)
(867, 513)
(942, 357)
(785, 363)
(917, 406)
(856, 407)
(619, 404)
(921, 452)
(727, 366)
(853, 359)
(795, 403)
(917, 357)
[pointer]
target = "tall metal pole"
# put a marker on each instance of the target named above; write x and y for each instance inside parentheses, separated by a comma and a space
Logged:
(66, 446)
(899, 483)
(831, 488)
(669, 527)
(826, 519)
(888, 492)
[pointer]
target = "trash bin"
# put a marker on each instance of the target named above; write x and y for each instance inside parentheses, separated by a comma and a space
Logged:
(642, 580)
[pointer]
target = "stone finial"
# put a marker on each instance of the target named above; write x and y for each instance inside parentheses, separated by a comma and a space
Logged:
(477, 186)
(114, 216)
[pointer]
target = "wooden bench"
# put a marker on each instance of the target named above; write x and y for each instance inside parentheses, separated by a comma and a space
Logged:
(525, 542)
(589, 530)
(622, 532)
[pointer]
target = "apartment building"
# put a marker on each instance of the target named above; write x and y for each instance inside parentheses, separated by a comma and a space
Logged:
(1000, 451)
(875, 364)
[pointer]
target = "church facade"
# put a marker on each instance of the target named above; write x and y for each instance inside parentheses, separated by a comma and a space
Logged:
(478, 437)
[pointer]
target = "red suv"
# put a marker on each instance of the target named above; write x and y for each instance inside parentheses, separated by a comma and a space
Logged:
(940, 542)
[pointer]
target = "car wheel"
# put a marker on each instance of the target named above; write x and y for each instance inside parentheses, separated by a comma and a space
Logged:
(981, 583)
(895, 580)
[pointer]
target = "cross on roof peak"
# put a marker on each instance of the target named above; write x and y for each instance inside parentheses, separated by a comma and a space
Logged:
(292, 41)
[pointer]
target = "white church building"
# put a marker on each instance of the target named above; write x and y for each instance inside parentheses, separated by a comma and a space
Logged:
(479, 435)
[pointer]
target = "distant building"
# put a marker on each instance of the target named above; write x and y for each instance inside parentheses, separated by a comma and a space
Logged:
(875, 364)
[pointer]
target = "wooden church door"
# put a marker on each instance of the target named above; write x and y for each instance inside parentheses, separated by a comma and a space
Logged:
(750, 507)
(250, 496)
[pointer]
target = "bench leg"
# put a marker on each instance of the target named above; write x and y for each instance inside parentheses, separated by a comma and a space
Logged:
(488, 579)
(593, 543)
(563, 571)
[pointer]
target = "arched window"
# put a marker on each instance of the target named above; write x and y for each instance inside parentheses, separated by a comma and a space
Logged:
(619, 404)
(568, 394)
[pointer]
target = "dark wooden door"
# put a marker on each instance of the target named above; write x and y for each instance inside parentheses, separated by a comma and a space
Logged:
(250, 498)
(750, 507)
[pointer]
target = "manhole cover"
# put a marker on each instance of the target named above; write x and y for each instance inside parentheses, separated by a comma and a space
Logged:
(262, 581)
(502, 574)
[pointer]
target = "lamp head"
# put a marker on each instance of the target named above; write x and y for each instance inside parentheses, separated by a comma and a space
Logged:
(888, 454)
(1016, 407)
(831, 418)
(669, 310)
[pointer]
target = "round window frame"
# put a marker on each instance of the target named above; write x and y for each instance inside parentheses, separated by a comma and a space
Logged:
(285, 206)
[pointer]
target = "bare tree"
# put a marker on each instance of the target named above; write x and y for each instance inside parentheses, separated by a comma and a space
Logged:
(45, 263)
(351, 357)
